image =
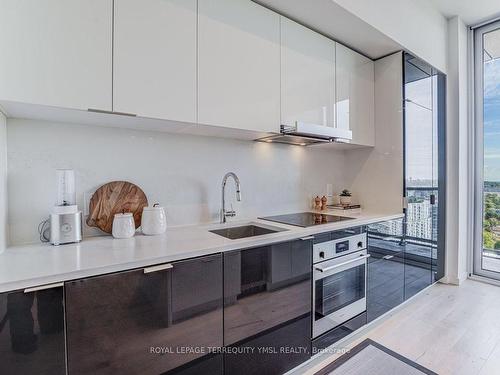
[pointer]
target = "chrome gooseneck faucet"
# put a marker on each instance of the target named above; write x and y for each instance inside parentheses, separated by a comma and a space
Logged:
(231, 213)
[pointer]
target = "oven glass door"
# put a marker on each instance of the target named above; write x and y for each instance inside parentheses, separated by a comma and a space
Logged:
(339, 290)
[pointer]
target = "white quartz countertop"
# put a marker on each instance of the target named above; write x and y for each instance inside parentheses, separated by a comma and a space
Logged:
(39, 264)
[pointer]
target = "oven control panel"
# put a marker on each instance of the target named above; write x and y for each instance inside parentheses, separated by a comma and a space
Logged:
(338, 247)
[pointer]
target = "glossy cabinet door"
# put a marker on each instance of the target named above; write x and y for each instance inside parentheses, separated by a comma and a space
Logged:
(385, 285)
(307, 76)
(209, 364)
(287, 261)
(57, 52)
(418, 268)
(140, 322)
(386, 267)
(32, 332)
(355, 95)
(238, 65)
(154, 65)
(271, 311)
(271, 353)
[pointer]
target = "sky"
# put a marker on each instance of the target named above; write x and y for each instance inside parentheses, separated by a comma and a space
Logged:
(492, 120)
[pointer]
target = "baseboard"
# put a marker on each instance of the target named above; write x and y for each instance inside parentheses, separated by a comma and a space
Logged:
(485, 280)
(453, 280)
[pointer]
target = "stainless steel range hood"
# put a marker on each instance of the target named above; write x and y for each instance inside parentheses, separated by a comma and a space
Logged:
(303, 134)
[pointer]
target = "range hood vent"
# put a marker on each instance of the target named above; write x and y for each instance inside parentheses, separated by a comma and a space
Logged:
(303, 134)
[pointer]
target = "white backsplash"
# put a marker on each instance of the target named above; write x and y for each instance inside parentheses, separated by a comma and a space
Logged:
(181, 172)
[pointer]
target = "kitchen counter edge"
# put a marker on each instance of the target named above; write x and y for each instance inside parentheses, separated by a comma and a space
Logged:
(27, 266)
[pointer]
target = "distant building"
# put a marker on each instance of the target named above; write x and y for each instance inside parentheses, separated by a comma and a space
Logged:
(419, 219)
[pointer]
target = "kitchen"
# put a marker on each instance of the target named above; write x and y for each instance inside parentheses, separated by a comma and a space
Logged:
(210, 186)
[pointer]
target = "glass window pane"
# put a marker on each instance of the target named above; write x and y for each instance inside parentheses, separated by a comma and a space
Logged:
(421, 113)
(491, 146)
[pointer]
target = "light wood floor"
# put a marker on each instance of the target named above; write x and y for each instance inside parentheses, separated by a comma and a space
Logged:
(448, 329)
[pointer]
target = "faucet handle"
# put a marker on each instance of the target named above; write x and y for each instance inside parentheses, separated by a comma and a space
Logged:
(231, 212)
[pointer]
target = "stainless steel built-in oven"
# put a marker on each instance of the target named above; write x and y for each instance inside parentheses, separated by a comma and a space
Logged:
(339, 290)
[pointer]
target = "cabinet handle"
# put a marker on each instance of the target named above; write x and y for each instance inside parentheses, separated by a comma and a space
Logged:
(43, 287)
(307, 238)
(111, 112)
(161, 267)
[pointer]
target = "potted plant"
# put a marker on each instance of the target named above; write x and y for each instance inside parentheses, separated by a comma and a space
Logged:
(345, 197)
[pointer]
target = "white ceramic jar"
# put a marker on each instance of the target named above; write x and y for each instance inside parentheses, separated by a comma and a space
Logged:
(123, 226)
(154, 220)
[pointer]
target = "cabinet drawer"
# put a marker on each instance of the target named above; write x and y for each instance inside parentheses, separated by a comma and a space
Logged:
(295, 336)
(209, 364)
(32, 332)
(133, 322)
(196, 287)
(262, 305)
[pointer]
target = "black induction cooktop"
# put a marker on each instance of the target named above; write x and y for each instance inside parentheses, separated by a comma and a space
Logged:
(306, 219)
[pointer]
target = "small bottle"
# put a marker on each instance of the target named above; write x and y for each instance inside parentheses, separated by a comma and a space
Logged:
(317, 203)
(323, 203)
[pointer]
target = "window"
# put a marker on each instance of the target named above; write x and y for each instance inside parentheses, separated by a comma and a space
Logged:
(487, 122)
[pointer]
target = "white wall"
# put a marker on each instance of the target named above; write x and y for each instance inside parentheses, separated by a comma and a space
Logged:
(3, 182)
(415, 24)
(458, 235)
(181, 172)
(376, 175)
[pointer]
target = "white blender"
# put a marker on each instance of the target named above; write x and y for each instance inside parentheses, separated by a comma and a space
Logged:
(65, 219)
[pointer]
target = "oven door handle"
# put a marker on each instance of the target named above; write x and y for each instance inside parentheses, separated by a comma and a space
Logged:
(326, 269)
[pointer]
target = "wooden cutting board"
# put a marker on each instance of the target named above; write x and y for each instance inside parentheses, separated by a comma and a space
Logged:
(113, 198)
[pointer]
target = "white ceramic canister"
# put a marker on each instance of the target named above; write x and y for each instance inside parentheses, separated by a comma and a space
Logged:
(123, 225)
(154, 220)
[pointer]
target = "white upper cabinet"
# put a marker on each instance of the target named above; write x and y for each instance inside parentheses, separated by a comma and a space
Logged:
(155, 58)
(56, 52)
(307, 76)
(239, 65)
(355, 95)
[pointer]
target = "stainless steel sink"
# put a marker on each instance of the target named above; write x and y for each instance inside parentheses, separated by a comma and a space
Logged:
(244, 231)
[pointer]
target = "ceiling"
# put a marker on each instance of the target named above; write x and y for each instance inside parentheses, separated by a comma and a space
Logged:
(472, 12)
(334, 21)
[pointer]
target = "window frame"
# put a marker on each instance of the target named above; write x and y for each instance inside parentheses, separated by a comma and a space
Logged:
(477, 144)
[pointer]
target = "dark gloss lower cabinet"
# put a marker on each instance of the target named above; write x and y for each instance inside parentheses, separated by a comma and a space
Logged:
(271, 353)
(386, 268)
(385, 284)
(209, 364)
(147, 321)
(267, 311)
(400, 266)
(418, 268)
(32, 332)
